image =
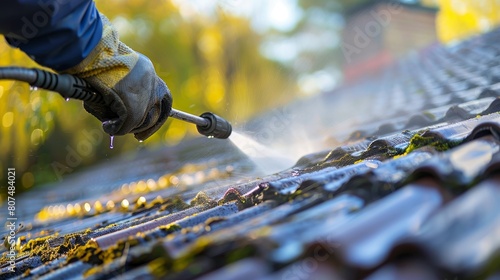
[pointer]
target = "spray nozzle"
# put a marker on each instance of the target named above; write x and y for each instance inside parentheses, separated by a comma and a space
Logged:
(217, 127)
(208, 124)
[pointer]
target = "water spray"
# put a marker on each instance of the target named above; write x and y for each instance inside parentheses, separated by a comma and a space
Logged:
(69, 86)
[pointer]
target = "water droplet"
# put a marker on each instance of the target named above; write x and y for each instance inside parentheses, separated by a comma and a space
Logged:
(67, 98)
(112, 138)
(140, 141)
(211, 136)
(33, 88)
(371, 164)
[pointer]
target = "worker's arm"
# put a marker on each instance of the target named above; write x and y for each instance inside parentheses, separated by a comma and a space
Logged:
(56, 33)
(70, 36)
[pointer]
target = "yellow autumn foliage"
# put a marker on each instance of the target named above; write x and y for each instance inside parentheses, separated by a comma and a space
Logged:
(458, 19)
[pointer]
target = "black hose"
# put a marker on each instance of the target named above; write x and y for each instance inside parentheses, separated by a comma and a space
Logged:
(18, 74)
(70, 86)
(66, 85)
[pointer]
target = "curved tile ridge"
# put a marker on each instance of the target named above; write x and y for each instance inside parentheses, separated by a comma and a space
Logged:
(366, 241)
(459, 167)
(460, 130)
(463, 237)
(484, 129)
(388, 177)
(448, 113)
(109, 239)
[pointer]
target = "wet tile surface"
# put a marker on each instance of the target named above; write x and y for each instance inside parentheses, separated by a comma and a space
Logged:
(404, 186)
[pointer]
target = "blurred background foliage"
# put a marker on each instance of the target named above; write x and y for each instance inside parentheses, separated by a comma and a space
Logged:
(459, 19)
(218, 59)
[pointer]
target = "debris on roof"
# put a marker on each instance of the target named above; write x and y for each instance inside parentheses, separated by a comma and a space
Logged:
(410, 190)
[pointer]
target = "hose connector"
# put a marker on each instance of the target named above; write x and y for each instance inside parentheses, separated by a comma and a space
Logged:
(217, 127)
(67, 85)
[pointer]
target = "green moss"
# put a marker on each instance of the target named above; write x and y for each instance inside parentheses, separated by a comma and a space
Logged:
(190, 261)
(240, 253)
(92, 271)
(174, 204)
(202, 199)
(159, 267)
(221, 253)
(27, 273)
(391, 152)
(93, 254)
(295, 195)
(419, 141)
(213, 220)
(36, 244)
(110, 226)
(89, 253)
(41, 247)
(199, 246)
(170, 228)
(233, 194)
(429, 115)
(490, 268)
(344, 160)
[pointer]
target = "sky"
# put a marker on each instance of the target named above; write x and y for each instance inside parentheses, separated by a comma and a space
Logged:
(264, 14)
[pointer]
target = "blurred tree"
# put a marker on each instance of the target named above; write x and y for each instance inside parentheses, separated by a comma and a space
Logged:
(211, 62)
(311, 48)
(459, 19)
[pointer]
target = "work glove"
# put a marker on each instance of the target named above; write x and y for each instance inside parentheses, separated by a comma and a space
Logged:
(136, 100)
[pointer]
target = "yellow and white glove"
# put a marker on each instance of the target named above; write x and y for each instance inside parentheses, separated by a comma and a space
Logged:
(136, 99)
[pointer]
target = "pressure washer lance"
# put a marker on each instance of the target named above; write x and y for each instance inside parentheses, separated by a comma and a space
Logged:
(69, 86)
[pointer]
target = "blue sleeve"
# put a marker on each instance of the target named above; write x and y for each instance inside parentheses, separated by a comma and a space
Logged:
(55, 33)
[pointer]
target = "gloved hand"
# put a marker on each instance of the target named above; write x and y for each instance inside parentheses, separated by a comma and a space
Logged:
(136, 99)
